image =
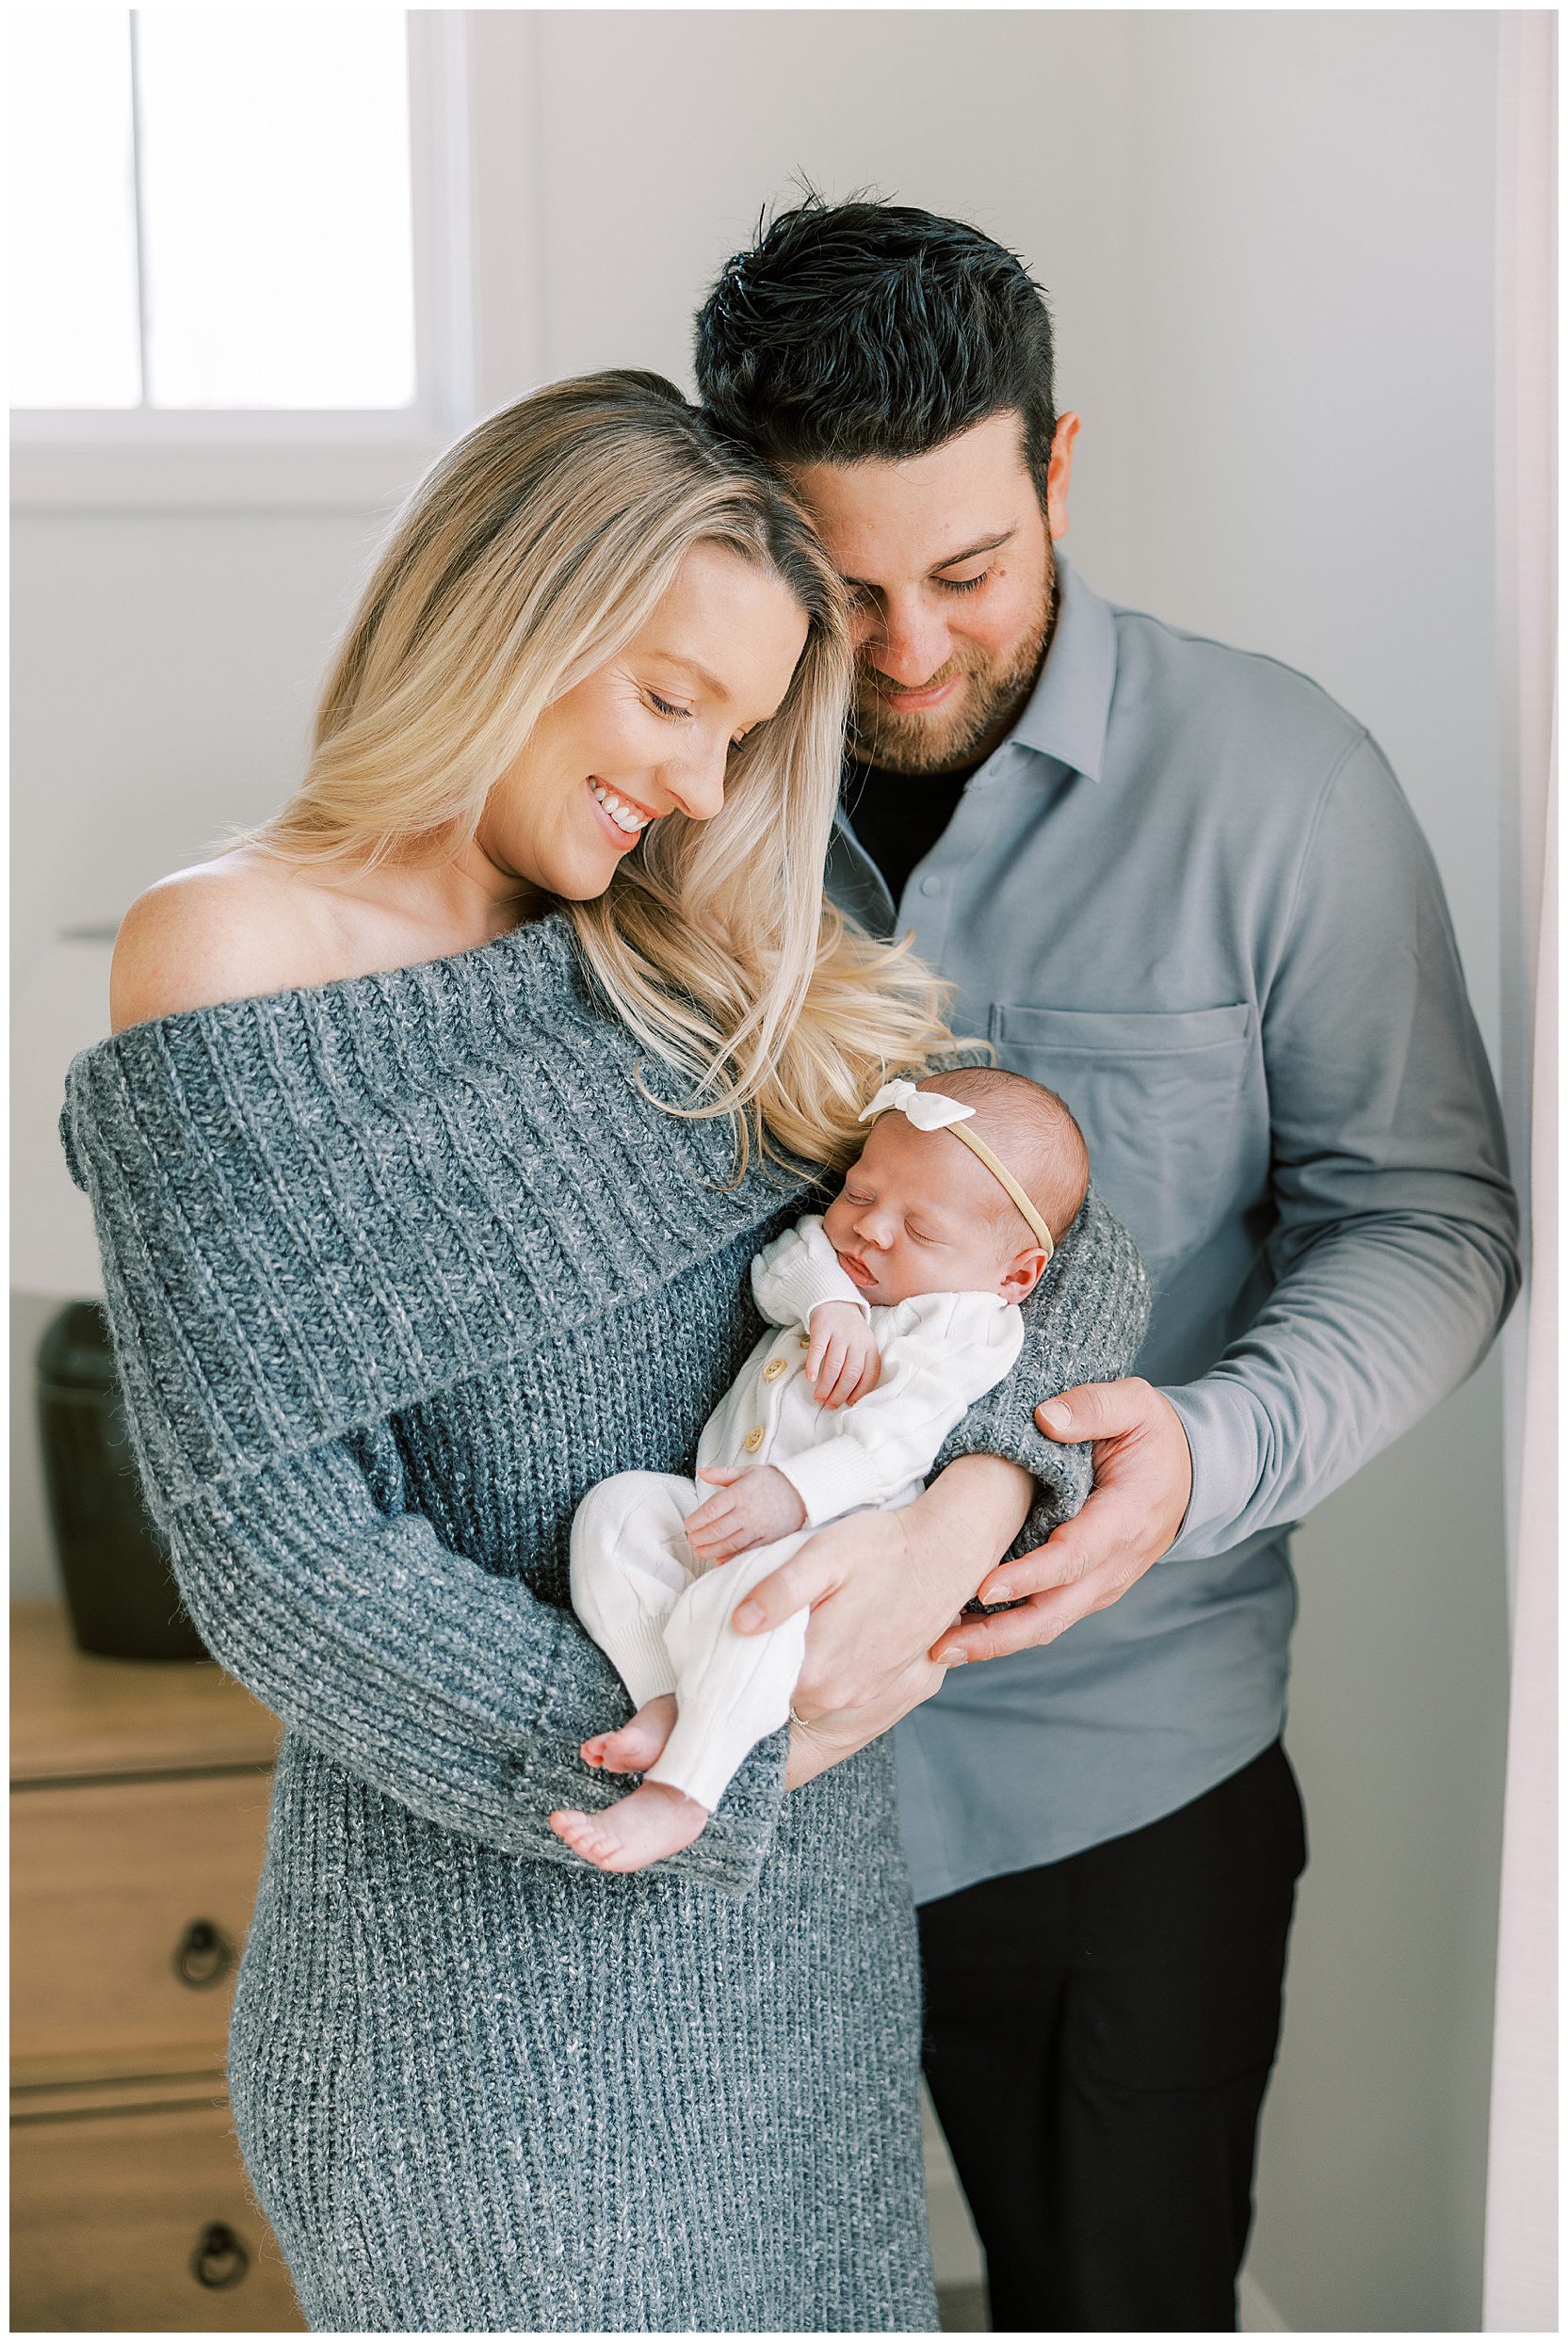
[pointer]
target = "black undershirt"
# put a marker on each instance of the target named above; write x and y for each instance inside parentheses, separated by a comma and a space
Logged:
(899, 816)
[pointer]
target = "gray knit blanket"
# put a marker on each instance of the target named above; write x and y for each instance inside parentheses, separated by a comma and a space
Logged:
(397, 1270)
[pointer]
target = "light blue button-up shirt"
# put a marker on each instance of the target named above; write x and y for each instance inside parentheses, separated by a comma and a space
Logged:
(1187, 893)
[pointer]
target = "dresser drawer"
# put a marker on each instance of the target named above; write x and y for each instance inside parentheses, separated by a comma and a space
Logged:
(113, 2217)
(130, 1900)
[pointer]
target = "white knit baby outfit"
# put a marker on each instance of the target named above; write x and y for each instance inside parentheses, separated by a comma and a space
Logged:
(661, 1615)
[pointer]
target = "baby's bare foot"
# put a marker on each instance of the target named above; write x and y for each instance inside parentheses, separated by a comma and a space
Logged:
(654, 1821)
(637, 1744)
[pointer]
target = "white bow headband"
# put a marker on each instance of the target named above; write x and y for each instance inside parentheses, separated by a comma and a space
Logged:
(933, 1109)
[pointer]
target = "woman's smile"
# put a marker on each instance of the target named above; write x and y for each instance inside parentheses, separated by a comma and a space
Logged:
(621, 815)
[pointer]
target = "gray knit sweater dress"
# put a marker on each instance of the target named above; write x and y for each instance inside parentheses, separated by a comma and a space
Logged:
(397, 1268)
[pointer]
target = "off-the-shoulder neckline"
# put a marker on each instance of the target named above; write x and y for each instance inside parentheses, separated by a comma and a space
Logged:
(550, 934)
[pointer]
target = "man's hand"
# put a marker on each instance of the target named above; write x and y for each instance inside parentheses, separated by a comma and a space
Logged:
(1142, 1487)
(757, 1505)
(843, 1360)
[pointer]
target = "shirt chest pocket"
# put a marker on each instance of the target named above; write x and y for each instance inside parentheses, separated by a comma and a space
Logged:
(1159, 1094)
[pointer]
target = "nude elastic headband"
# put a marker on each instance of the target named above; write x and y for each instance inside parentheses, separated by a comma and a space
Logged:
(931, 1109)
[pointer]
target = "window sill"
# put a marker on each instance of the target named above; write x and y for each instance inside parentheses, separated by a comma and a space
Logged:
(354, 476)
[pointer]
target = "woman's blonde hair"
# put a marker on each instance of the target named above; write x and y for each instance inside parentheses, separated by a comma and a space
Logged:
(537, 548)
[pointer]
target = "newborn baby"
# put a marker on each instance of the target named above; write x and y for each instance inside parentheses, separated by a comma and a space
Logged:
(889, 1316)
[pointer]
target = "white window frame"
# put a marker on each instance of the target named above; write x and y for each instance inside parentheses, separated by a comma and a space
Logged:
(246, 458)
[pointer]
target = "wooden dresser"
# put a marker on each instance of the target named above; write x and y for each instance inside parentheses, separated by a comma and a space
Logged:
(138, 1813)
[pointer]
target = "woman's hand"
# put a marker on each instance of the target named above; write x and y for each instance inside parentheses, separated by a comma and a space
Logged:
(822, 1741)
(883, 1587)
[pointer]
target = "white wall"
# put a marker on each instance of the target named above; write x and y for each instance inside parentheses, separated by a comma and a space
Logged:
(1268, 237)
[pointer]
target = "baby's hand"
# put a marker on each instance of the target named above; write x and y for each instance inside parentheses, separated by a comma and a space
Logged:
(757, 1504)
(843, 1360)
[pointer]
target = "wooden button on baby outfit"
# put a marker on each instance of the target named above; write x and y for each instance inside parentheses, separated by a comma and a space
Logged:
(754, 1438)
(774, 1368)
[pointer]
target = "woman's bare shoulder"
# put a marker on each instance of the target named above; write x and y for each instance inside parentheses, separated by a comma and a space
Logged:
(226, 930)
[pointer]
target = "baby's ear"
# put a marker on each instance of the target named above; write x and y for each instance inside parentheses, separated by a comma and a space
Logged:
(1022, 1273)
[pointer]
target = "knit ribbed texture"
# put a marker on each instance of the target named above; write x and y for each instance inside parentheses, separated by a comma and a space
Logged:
(397, 1268)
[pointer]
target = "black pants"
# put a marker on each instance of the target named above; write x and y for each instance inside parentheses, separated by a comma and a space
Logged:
(1098, 2037)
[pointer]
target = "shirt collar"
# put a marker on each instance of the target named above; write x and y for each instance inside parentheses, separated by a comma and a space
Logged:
(1069, 709)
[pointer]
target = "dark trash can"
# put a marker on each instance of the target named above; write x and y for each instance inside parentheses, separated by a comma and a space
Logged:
(120, 1592)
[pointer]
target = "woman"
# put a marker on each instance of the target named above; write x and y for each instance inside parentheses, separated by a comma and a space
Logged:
(441, 1121)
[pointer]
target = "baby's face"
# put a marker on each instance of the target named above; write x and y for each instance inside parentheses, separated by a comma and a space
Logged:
(918, 1214)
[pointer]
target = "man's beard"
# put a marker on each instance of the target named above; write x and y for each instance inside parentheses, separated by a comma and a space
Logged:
(947, 740)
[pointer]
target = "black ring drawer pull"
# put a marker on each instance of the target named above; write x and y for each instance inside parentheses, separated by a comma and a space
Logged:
(219, 2258)
(203, 1956)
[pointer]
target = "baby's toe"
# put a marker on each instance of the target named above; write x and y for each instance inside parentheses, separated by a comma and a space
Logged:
(579, 1834)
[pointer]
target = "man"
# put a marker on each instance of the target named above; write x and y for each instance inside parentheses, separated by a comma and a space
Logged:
(1178, 884)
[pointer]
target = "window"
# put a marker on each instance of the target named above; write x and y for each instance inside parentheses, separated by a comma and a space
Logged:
(236, 230)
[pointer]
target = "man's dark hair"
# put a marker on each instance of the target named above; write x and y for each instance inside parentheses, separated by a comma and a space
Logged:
(861, 330)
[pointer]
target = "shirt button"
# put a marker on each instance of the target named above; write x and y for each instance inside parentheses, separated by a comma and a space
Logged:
(931, 886)
(804, 1340)
(774, 1368)
(754, 1438)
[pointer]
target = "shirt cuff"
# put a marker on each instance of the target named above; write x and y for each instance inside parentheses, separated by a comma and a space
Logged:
(836, 1300)
(804, 1273)
(1221, 1424)
(831, 1478)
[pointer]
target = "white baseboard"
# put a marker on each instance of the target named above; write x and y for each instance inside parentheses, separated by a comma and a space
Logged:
(956, 2254)
(955, 2247)
(1258, 2314)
